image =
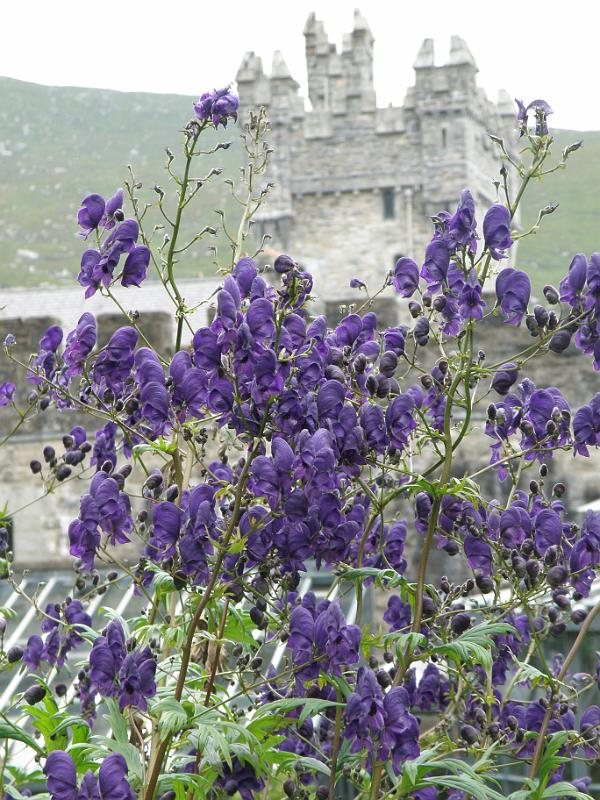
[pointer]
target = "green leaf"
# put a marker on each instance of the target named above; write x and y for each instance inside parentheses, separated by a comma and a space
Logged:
(10, 731)
(477, 788)
(171, 715)
(474, 644)
(564, 789)
(116, 721)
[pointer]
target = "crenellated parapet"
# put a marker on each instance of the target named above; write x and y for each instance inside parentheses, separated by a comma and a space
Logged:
(355, 185)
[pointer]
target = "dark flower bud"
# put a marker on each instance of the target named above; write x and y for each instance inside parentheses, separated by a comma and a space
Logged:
(480, 716)
(334, 373)
(63, 472)
(553, 614)
(533, 568)
(427, 301)
(460, 623)
(49, 453)
(387, 656)
(578, 616)
(551, 428)
(443, 366)
(85, 447)
(551, 555)
(383, 678)
(557, 415)
(428, 606)
(414, 308)
(373, 663)
(543, 470)
(322, 793)
(469, 734)
(107, 466)
(371, 384)
(256, 663)
(172, 493)
(230, 787)
(313, 690)
(360, 363)
(527, 546)
(426, 381)
(519, 735)
(44, 403)
(469, 585)
(35, 466)
(561, 600)
(237, 650)
(445, 585)
(541, 316)
(484, 583)
(289, 788)
(558, 629)
(519, 566)
(451, 547)
(421, 331)
(531, 324)
(551, 295)
(534, 487)
(14, 654)
(68, 441)
(283, 264)
(512, 722)
(112, 576)
(34, 694)
(388, 363)
(557, 575)
(493, 730)
(491, 411)
(153, 481)
(235, 591)
(559, 489)
(60, 689)
(439, 303)
(179, 580)
(257, 616)
(552, 321)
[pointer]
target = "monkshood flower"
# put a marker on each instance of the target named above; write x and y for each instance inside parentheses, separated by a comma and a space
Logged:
(398, 614)
(218, 106)
(106, 508)
(437, 261)
(110, 783)
(471, 302)
(504, 378)
(381, 722)
(541, 110)
(571, 286)
(513, 290)
(98, 266)
(239, 777)
(496, 231)
(406, 277)
(61, 626)
(7, 393)
(45, 363)
(113, 364)
(114, 672)
(80, 343)
(586, 426)
(400, 421)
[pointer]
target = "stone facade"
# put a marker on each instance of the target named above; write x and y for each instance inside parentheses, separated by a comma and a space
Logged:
(356, 185)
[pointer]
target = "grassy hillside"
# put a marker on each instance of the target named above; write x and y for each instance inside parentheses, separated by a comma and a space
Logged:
(575, 225)
(59, 144)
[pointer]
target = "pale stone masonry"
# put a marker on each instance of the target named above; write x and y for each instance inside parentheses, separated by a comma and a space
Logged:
(356, 185)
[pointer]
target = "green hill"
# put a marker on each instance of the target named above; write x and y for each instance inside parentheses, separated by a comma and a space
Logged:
(58, 144)
(575, 225)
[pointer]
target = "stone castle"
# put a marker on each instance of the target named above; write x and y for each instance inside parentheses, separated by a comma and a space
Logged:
(356, 185)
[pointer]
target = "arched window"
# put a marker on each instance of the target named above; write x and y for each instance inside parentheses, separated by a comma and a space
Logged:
(444, 138)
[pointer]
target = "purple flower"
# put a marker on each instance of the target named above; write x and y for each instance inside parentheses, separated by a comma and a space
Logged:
(239, 777)
(335, 637)
(479, 555)
(399, 420)
(471, 302)
(513, 290)
(110, 783)
(218, 106)
(136, 266)
(61, 774)
(504, 378)
(541, 109)
(80, 343)
(406, 277)
(33, 652)
(398, 614)
(90, 213)
(136, 679)
(114, 204)
(572, 284)
(496, 230)
(437, 261)
(461, 228)
(7, 393)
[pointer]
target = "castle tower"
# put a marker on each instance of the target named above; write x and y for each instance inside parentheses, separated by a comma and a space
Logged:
(356, 185)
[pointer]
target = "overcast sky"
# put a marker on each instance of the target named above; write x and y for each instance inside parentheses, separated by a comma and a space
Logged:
(533, 49)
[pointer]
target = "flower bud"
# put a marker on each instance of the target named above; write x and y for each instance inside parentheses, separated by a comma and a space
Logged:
(557, 575)
(63, 472)
(559, 489)
(578, 615)
(469, 734)
(551, 295)
(383, 678)
(14, 654)
(414, 308)
(541, 316)
(34, 694)
(35, 466)
(519, 566)
(484, 583)
(460, 623)
(49, 453)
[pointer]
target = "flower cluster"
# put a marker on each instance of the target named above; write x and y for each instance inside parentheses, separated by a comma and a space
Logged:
(110, 783)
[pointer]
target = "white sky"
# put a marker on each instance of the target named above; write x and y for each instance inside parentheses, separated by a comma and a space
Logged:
(533, 48)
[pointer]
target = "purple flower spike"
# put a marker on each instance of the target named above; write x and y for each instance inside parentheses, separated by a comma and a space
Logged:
(219, 106)
(136, 266)
(496, 231)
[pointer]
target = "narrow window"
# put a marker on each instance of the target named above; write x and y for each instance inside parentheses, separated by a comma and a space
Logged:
(389, 203)
(444, 138)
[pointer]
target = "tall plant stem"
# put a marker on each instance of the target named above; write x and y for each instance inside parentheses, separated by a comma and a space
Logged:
(539, 747)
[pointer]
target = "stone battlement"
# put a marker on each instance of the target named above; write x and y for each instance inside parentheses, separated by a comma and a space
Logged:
(355, 185)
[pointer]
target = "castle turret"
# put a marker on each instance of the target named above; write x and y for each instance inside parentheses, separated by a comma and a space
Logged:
(252, 83)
